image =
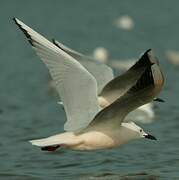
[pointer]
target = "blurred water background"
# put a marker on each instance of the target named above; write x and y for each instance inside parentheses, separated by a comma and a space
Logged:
(28, 111)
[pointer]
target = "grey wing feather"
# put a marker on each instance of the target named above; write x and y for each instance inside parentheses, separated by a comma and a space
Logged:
(102, 73)
(121, 84)
(146, 88)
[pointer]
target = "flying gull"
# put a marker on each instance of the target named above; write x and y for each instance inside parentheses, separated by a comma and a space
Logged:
(88, 127)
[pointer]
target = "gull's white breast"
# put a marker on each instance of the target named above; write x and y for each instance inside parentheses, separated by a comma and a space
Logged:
(103, 139)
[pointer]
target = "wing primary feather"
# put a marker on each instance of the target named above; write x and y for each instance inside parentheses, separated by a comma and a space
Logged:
(24, 31)
(121, 84)
(144, 91)
(146, 60)
(57, 44)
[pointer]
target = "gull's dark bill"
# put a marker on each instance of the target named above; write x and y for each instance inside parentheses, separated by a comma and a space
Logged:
(148, 136)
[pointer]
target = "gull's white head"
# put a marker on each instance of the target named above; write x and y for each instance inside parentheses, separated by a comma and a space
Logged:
(136, 132)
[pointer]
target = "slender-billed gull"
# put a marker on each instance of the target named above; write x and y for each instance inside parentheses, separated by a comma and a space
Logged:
(88, 127)
(172, 56)
(107, 129)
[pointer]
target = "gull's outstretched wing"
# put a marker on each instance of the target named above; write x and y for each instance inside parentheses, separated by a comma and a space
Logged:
(146, 88)
(75, 85)
(102, 73)
(121, 84)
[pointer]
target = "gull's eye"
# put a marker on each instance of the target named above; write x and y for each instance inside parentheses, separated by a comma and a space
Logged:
(140, 130)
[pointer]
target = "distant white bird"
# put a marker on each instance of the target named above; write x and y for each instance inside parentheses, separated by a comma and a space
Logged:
(88, 127)
(101, 54)
(124, 22)
(173, 57)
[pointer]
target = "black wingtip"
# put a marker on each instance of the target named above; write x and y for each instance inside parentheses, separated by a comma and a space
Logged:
(149, 55)
(148, 50)
(53, 40)
(146, 60)
(14, 19)
(145, 80)
(145, 53)
(24, 31)
(56, 44)
(159, 100)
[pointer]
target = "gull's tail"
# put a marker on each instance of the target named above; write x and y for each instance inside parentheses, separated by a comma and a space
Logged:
(51, 143)
(46, 144)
